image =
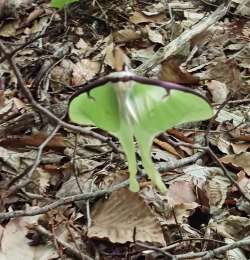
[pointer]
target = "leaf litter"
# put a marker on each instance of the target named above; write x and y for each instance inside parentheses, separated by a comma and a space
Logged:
(78, 45)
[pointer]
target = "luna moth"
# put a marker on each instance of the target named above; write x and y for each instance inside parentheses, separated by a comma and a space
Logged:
(129, 106)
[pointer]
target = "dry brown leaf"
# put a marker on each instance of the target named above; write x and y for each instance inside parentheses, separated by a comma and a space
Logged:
(40, 24)
(84, 70)
(218, 90)
(223, 144)
(138, 18)
(81, 44)
(33, 140)
(1, 97)
(180, 135)
(243, 137)
(154, 35)
(238, 160)
(243, 8)
(9, 29)
(224, 116)
(62, 73)
(34, 15)
(121, 59)
(115, 57)
(70, 187)
(43, 180)
(171, 71)
(109, 55)
(166, 146)
(234, 227)
(236, 253)
(193, 16)
(246, 29)
(240, 147)
(15, 245)
(216, 188)
(123, 218)
(181, 212)
(181, 192)
(219, 70)
(126, 35)
(244, 183)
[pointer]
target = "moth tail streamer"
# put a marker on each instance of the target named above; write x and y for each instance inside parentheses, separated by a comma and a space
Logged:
(145, 152)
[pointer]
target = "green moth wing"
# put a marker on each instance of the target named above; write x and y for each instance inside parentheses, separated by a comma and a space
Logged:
(137, 110)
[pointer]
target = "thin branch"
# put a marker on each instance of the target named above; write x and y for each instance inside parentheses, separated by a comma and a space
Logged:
(62, 201)
(12, 53)
(157, 249)
(90, 195)
(211, 121)
(29, 173)
(175, 46)
(233, 102)
(45, 111)
(178, 242)
(69, 249)
(179, 163)
(210, 254)
(223, 168)
(213, 155)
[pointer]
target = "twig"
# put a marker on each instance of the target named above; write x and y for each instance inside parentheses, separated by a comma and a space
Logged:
(213, 155)
(181, 162)
(75, 173)
(88, 215)
(232, 13)
(73, 239)
(62, 201)
(178, 242)
(157, 249)
(86, 196)
(45, 111)
(13, 189)
(210, 254)
(69, 250)
(175, 46)
(176, 223)
(239, 101)
(12, 53)
(223, 168)
(55, 241)
(211, 121)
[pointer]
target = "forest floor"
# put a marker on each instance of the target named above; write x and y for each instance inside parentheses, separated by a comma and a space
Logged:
(63, 188)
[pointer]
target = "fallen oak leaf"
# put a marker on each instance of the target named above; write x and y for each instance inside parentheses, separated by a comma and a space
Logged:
(125, 217)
